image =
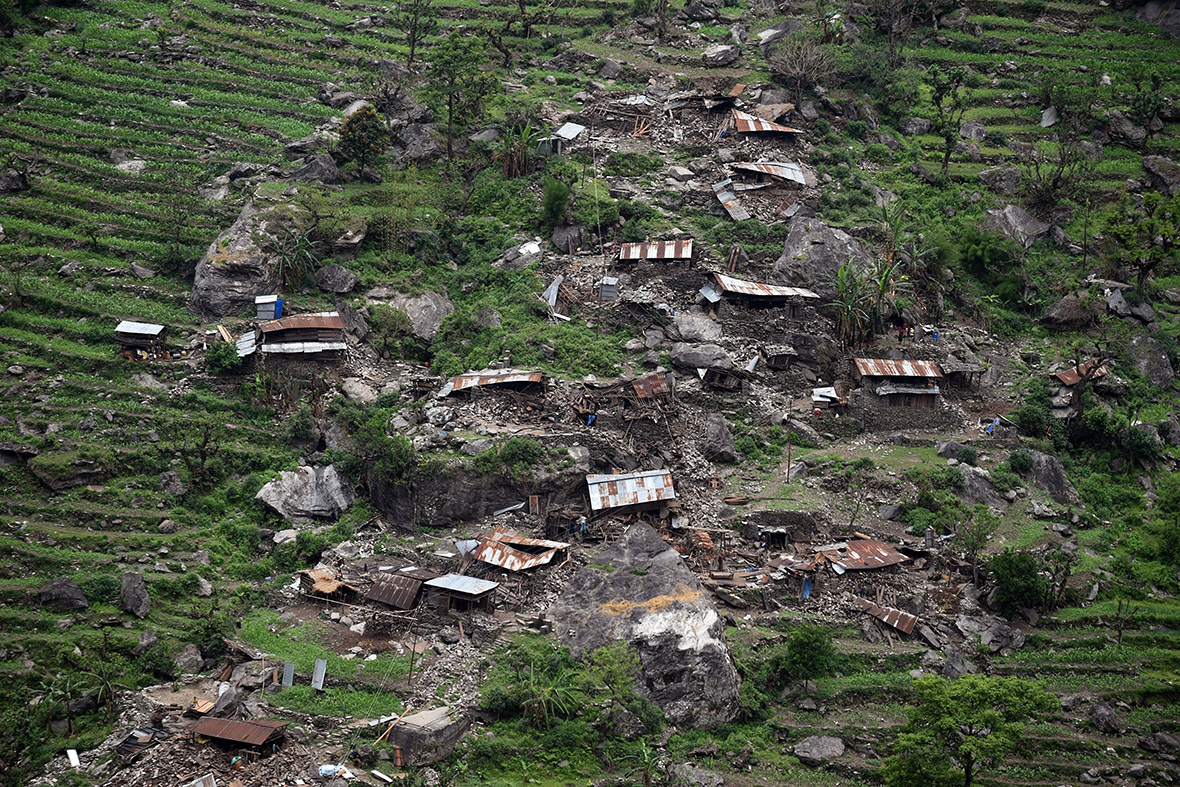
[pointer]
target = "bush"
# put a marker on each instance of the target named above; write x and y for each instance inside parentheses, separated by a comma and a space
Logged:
(631, 164)
(857, 129)
(1018, 580)
(223, 358)
(968, 455)
(808, 653)
(553, 202)
(1020, 461)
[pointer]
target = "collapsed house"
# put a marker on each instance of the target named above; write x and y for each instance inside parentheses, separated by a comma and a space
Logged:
(776, 171)
(663, 250)
(427, 736)
(555, 145)
(519, 380)
(642, 490)
(725, 191)
(254, 734)
(140, 335)
(756, 295)
(511, 551)
(322, 583)
(745, 123)
(778, 356)
(400, 589)
(899, 383)
(1065, 401)
(961, 374)
(722, 379)
(460, 593)
(860, 555)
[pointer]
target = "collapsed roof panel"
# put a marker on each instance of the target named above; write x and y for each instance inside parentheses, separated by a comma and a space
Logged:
(787, 170)
(878, 367)
(295, 348)
(657, 250)
(570, 131)
(514, 552)
(479, 379)
(1074, 375)
(729, 201)
(747, 124)
(860, 555)
(396, 590)
(902, 621)
(755, 289)
(653, 385)
(250, 733)
(458, 583)
(628, 489)
(314, 320)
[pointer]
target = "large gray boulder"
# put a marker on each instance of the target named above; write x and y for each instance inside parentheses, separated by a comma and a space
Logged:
(993, 632)
(189, 660)
(320, 167)
(1104, 718)
(812, 254)
(915, 126)
(133, 595)
(973, 130)
(978, 488)
(63, 594)
(1151, 359)
(418, 145)
(1004, 180)
(335, 278)
(1016, 224)
(699, 356)
(425, 310)
(307, 493)
(818, 749)
(720, 55)
(1122, 129)
(237, 266)
(12, 180)
(1048, 473)
(650, 599)
(717, 441)
(696, 328)
(1165, 13)
(1072, 312)
(1165, 173)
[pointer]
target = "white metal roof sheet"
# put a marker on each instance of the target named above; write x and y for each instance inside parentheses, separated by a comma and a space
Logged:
(463, 584)
(141, 328)
(787, 170)
(570, 131)
(613, 491)
(295, 348)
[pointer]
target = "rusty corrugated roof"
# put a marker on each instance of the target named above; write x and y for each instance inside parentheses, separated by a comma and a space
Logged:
(902, 621)
(657, 250)
(743, 287)
(328, 320)
(489, 377)
(396, 589)
(729, 201)
(1074, 375)
(787, 170)
(323, 580)
(251, 733)
(865, 554)
(879, 367)
(629, 489)
(650, 386)
(747, 123)
(501, 547)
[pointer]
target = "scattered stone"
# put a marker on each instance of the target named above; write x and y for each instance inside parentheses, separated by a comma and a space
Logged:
(1104, 718)
(335, 278)
(1160, 742)
(1003, 180)
(1049, 117)
(63, 594)
(1049, 474)
(134, 595)
(720, 55)
(696, 328)
(915, 126)
(141, 271)
(699, 356)
(172, 484)
(610, 69)
(691, 776)
(1165, 173)
(204, 588)
(1151, 359)
(357, 390)
(1123, 129)
(166, 527)
(1017, 224)
(818, 749)
(320, 167)
(955, 666)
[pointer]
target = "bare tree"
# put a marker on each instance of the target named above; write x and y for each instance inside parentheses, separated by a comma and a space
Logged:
(895, 19)
(801, 60)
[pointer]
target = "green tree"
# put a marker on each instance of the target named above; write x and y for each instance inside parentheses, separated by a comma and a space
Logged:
(973, 534)
(1145, 238)
(1019, 580)
(417, 19)
(809, 653)
(363, 137)
(554, 201)
(948, 96)
(959, 727)
(458, 81)
(222, 357)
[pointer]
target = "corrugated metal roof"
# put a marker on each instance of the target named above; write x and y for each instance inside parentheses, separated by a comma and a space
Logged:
(787, 170)
(824, 394)
(139, 328)
(614, 491)
(902, 621)
(865, 554)
(743, 287)
(747, 123)
(261, 299)
(294, 348)
(396, 590)
(879, 367)
(499, 548)
(489, 377)
(458, 583)
(329, 320)
(728, 200)
(570, 131)
(251, 733)
(657, 250)
(246, 344)
(1074, 375)
(650, 386)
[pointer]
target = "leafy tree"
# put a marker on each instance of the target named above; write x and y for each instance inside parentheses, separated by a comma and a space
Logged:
(363, 137)
(959, 727)
(809, 653)
(554, 201)
(457, 79)
(1018, 579)
(801, 59)
(223, 357)
(198, 439)
(1145, 237)
(948, 96)
(973, 534)
(417, 19)
(895, 20)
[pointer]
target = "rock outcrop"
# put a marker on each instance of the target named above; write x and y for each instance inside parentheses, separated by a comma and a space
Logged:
(335, 278)
(1016, 224)
(1165, 173)
(812, 254)
(308, 493)
(818, 749)
(426, 310)
(1048, 473)
(717, 442)
(1151, 359)
(648, 597)
(237, 267)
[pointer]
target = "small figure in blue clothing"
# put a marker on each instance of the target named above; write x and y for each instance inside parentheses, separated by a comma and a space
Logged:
(991, 428)
(935, 334)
